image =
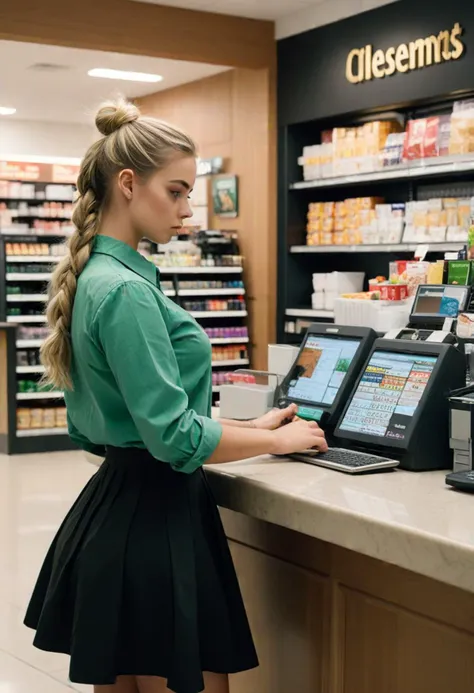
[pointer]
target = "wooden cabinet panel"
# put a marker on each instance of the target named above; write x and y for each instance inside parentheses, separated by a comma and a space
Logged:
(390, 650)
(286, 606)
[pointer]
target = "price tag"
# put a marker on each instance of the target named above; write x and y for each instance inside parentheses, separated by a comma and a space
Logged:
(421, 251)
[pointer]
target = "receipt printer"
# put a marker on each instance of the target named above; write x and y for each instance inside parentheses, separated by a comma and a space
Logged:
(461, 419)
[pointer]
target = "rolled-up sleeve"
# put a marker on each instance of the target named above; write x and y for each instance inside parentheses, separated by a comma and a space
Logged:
(131, 330)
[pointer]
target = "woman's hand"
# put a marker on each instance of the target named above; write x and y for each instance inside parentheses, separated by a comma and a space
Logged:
(275, 418)
(298, 436)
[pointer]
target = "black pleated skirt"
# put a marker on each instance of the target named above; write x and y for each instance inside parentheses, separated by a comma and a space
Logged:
(139, 580)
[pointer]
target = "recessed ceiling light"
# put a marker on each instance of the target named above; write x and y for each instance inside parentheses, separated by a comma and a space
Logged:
(4, 110)
(105, 73)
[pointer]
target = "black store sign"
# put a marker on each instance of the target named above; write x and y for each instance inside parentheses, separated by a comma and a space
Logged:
(406, 52)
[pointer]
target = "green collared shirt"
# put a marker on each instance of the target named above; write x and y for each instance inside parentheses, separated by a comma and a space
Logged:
(141, 366)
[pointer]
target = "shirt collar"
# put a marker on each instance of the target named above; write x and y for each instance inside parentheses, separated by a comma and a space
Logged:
(105, 245)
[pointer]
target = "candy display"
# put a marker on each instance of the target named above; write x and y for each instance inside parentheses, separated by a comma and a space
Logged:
(379, 144)
(25, 249)
(215, 305)
(231, 352)
(227, 332)
(41, 417)
(368, 220)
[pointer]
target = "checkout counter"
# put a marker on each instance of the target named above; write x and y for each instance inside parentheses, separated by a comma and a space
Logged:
(352, 583)
(355, 583)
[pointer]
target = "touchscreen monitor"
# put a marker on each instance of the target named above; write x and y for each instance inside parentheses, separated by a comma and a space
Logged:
(321, 368)
(440, 301)
(388, 394)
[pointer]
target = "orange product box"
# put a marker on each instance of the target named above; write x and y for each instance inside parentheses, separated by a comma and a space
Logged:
(326, 238)
(393, 292)
(339, 238)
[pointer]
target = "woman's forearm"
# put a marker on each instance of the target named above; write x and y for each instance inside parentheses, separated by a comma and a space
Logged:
(239, 443)
(237, 424)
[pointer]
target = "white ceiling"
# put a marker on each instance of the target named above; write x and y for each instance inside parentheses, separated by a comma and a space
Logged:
(70, 95)
(290, 16)
(263, 9)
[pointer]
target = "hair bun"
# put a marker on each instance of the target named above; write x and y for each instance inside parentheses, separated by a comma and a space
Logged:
(114, 114)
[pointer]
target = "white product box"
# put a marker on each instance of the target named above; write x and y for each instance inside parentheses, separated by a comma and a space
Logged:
(329, 298)
(280, 358)
(345, 282)
(381, 316)
(319, 281)
(317, 300)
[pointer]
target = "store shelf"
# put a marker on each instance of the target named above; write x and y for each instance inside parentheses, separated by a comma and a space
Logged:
(229, 340)
(26, 298)
(35, 199)
(30, 369)
(25, 396)
(200, 270)
(33, 233)
(28, 277)
(218, 313)
(309, 313)
(45, 259)
(211, 292)
(441, 166)
(169, 292)
(36, 432)
(231, 362)
(377, 248)
(26, 318)
(29, 343)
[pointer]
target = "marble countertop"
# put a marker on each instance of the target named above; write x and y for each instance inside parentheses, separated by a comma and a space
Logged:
(412, 520)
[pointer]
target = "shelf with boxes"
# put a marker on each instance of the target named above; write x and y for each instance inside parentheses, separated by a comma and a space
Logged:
(36, 416)
(216, 298)
(33, 416)
(38, 209)
(372, 192)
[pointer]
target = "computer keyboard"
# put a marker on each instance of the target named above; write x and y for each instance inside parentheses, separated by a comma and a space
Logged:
(346, 461)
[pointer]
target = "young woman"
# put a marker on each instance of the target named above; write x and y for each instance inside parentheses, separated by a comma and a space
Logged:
(138, 585)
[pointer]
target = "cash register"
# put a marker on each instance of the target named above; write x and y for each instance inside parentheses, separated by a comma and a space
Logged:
(434, 313)
(398, 411)
(324, 372)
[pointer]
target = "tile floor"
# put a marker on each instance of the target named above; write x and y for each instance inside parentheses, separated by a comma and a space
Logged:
(36, 491)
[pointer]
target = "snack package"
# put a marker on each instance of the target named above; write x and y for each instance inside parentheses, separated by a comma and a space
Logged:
(444, 134)
(431, 137)
(414, 143)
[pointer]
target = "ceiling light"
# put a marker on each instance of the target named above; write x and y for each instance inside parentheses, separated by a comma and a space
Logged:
(105, 73)
(4, 110)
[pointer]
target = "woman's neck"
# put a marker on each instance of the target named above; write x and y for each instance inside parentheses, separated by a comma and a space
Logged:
(114, 224)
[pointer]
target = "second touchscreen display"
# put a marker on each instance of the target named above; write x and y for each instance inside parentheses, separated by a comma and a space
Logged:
(388, 394)
(321, 368)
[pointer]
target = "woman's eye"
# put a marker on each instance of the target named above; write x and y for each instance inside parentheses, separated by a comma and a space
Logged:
(176, 194)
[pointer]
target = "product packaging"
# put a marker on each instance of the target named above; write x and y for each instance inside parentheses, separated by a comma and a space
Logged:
(459, 272)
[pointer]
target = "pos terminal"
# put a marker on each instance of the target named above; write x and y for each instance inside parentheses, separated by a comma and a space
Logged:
(325, 370)
(397, 413)
(435, 310)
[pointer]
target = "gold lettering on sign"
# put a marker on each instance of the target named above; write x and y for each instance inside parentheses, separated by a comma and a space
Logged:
(364, 64)
(355, 77)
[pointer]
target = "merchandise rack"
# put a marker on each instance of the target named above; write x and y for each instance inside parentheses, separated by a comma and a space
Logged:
(213, 319)
(297, 261)
(34, 296)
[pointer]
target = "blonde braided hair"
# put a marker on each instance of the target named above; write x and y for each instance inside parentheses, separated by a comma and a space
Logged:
(129, 140)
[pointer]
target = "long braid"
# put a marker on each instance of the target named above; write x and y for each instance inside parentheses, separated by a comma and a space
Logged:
(129, 141)
(56, 351)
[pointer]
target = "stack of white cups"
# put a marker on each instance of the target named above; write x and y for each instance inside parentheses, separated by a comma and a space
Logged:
(329, 286)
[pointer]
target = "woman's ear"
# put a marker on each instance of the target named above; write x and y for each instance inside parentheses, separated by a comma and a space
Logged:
(126, 180)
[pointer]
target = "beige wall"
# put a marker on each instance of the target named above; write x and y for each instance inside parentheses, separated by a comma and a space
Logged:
(141, 29)
(231, 115)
